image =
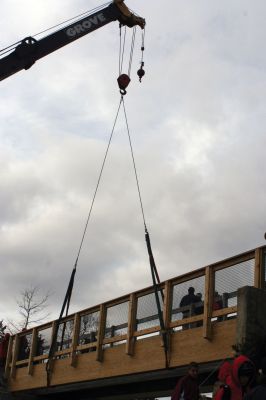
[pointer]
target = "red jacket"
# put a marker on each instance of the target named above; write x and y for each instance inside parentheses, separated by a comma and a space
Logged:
(4, 346)
(188, 386)
(229, 375)
(225, 372)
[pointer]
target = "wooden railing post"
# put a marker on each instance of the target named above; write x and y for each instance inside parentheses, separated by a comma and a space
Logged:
(259, 269)
(167, 315)
(101, 332)
(9, 357)
(14, 357)
(132, 311)
(32, 350)
(75, 338)
(51, 361)
(167, 306)
(208, 302)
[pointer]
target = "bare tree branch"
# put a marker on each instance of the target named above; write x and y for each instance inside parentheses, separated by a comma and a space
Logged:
(31, 307)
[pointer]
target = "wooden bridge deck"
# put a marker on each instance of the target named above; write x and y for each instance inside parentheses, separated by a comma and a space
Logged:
(121, 337)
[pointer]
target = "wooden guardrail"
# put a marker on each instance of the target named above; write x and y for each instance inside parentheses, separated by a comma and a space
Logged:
(93, 329)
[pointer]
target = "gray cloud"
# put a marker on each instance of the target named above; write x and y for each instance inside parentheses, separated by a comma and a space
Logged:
(198, 129)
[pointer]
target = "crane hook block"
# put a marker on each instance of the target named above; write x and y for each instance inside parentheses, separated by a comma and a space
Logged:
(141, 72)
(123, 82)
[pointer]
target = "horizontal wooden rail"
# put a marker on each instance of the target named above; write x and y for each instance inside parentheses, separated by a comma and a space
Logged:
(99, 331)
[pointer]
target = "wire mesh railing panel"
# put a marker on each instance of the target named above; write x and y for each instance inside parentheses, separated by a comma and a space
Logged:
(116, 320)
(229, 279)
(188, 299)
(89, 327)
(147, 311)
(64, 335)
(24, 346)
(43, 341)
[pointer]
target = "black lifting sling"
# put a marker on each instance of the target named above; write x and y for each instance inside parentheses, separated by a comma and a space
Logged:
(158, 290)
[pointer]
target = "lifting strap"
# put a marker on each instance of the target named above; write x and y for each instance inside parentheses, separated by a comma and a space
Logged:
(65, 306)
(157, 290)
(154, 272)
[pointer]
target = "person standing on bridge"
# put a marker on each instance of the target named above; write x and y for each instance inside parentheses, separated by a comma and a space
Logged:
(187, 301)
(187, 388)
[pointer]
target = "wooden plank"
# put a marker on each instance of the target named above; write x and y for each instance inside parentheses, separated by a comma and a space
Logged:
(188, 276)
(149, 290)
(62, 352)
(75, 338)
(224, 311)
(220, 347)
(132, 313)
(22, 362)
(186, 321)
(9, 357)
(51, 360)
(259, 269)
(147, 331)
(115, 302)
(41, 357)
(87, 346)
(208, 302)
(117, 363)
(167, 303)
(32, 350)
(101, 331)
(14, 358)
(234, 260)
(114, 339)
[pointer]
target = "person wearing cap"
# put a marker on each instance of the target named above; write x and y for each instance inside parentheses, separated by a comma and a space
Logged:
(187, 388)
(238, 380)
(259, 391)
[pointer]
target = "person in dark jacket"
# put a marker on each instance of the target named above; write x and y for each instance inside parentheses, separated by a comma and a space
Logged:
(237, 379)
(187, 388)
(187, 300)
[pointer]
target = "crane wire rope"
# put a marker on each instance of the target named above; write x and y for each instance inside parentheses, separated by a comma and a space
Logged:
(121, 48)
(98, 182)
(132, 50)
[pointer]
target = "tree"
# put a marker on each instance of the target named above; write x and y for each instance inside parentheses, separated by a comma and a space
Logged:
(2, 329)
(32, 308)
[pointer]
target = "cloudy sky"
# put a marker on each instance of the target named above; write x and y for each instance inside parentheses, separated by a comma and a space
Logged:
(197, 123)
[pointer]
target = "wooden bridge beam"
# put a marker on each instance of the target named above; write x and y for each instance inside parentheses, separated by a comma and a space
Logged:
(208, 302)
(132, 312)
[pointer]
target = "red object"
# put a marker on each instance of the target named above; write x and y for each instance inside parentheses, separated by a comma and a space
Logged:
(4, 346)
(188, 386)
(229, 374)
(225, 371)
(123, 82)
